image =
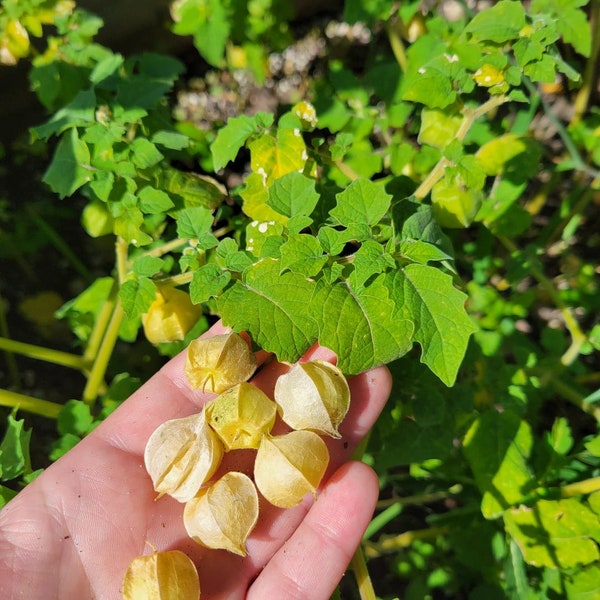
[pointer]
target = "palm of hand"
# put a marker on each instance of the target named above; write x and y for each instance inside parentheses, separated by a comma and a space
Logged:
(73, 531)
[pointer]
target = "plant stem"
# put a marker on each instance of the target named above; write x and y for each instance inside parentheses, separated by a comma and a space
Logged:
(361, 573)
(403, 540)
(111, 334)
(589, 75)
(469, 117)
(56, 357)
(577, 336)
(579, 488)
(101, 323)
(96, 377)
(37, 406)
(397, 46)
(11, 363)
(421, 498)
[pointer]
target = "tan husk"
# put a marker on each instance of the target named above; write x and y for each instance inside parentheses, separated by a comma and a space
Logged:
(289, 466)
(181, 455)
(223, 515)
(170, 316)
(241, 416)
(217, 363)
(313, 395)
(169, 575)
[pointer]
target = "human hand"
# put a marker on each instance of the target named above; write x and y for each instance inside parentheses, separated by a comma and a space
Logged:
(72, 532)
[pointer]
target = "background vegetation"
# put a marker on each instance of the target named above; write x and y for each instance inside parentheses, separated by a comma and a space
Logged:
(409, 183)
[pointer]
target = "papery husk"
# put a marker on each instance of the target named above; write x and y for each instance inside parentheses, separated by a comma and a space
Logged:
(169, 575)
(170, 316)
(313, 395)
(241, 416)
(287, 467)
(181, 455)
(217, 363)
(222, 515)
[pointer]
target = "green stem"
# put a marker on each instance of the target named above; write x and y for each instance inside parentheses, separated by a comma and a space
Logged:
(56, 357)
(96, 376)
(574, 397)
(361, 573)
(590, 77)
(37, 406)
(419, 499)
(101, 323)
(469, 117)
(579, 488)
(111, 334)
(403, 540)
(397, 46)
(11, 363)
(578, 338)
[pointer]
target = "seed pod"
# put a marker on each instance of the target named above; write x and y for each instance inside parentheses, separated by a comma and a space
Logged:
(241, 416)
(169, 575)
(223, 515)
(313, 395)
(170, 316)
(181, 455)
(219, 362)
(289, 466)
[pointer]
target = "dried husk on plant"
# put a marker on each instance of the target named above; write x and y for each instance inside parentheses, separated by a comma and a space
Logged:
(241, 416)
(169, 575)
(287, 467)
(170, 316)
(217, 363)
(223, 514)
(313, 395)
(181, 455)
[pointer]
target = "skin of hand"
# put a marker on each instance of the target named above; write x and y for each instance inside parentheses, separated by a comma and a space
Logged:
(73, 531)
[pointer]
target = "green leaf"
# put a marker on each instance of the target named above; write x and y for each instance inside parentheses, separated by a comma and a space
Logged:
(192, 189)
(137, 295)
(361, 203)
(14, 449)
(208, 281)
(438, 128)
(560, 534)
(429, 86)
(293, 195)
(234, 258)
(146, 266)
(273, 156)
(370, 259)
(171, 140)
(273, 308)
(75, 417)
(144, 153)
(234, 135)
(70, 166)
(497, 447)
(454, 206)
(194, 222)
(153, 201)
(364, 328)
(442, 326)
(129, 219)
(79, 112)
(105, 68)
(422, 252)
(500, 23)
(302, 253)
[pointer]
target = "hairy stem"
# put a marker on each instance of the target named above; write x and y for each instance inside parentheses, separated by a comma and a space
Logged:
(402, 540)
(361, 573)
(579, 488)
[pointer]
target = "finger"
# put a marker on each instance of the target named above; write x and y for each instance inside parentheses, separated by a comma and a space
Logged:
(313, 560)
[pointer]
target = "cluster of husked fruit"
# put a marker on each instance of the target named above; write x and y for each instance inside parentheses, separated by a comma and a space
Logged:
(182, 455)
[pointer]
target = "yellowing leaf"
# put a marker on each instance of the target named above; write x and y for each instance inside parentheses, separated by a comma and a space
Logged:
(289, 466)
(169, 575)
(241, 416)
(219, 362)
(223, 515)
(313, 395)
(181, 455)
